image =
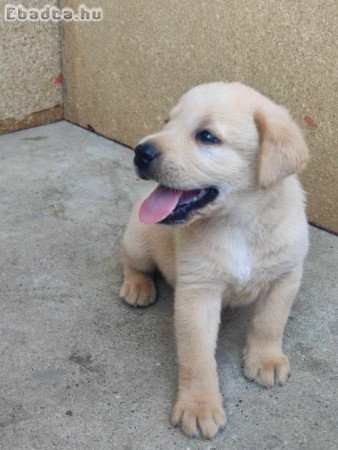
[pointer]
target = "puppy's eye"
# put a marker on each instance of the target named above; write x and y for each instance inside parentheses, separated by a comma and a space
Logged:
(207, 138)
(166, 120)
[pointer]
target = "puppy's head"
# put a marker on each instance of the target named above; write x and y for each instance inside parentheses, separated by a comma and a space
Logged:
(219, 139)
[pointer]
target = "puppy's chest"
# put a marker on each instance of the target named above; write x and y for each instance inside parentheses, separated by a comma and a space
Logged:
(239, 270)
(235, 260)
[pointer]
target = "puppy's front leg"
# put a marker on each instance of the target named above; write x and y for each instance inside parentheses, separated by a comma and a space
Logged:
(263, 354)
(199, 402)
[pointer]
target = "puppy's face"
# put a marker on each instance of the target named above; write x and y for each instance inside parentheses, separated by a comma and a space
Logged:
(209, 148)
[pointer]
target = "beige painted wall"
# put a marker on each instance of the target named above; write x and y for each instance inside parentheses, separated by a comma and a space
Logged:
(124, 73)
(30, 62)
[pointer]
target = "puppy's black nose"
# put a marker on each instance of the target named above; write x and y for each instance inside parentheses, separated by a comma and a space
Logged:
(144, 155)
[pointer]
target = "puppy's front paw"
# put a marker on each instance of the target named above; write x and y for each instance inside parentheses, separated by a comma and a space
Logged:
(266, 368)
(138, 290)
(206, 412)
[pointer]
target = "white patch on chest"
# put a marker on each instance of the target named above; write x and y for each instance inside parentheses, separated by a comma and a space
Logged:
(239, 260)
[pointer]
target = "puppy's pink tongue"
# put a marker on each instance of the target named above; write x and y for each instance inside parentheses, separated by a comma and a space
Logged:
(160, 203)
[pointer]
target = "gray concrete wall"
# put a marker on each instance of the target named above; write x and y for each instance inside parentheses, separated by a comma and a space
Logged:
(124, 74)
(30, 67)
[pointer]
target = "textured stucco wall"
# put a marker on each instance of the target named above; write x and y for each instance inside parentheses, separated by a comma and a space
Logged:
(30, 67)
(124, 73)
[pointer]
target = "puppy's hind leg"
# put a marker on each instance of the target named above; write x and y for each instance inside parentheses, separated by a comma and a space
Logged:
(138, 288)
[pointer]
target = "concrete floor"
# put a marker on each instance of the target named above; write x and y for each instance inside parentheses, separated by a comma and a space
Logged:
(82, 370)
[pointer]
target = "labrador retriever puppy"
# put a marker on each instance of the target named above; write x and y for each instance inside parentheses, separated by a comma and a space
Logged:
(225, 225)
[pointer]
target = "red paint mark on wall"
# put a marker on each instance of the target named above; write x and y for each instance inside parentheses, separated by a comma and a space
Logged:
(58, 80)
(310, 122)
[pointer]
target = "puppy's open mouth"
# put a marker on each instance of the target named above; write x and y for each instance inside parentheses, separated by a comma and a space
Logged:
(172, 206)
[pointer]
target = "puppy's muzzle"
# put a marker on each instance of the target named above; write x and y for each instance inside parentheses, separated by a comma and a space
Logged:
(145, 158)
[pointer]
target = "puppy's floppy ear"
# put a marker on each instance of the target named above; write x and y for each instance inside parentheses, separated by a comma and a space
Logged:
(282, 150)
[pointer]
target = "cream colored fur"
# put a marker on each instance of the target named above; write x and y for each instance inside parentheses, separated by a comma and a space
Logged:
(247, 246)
